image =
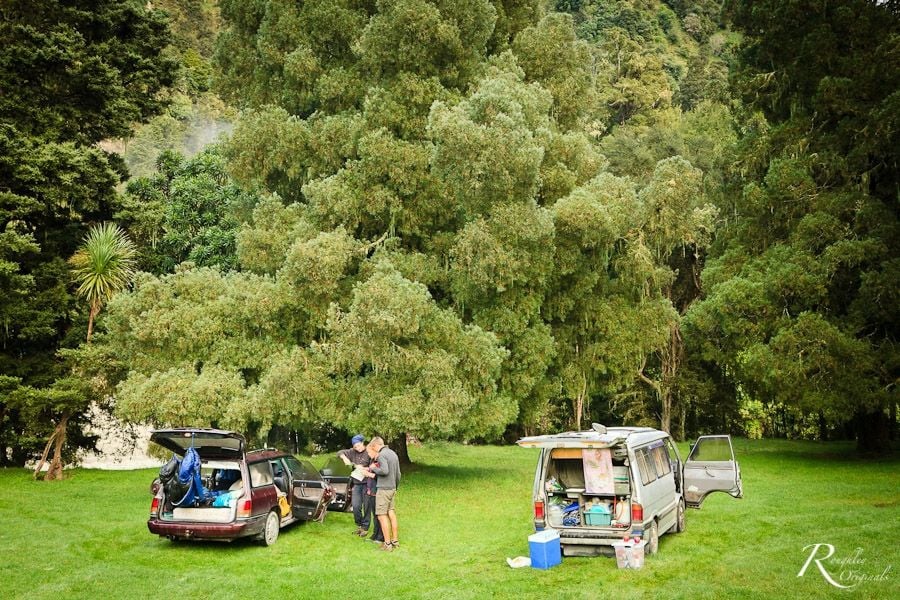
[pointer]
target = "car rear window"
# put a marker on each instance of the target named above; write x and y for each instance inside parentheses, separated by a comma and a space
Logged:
(260, 474)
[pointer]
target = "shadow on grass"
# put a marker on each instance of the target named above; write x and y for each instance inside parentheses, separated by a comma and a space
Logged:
(219, 546)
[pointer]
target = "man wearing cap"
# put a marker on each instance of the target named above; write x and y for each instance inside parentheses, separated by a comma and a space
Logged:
(357, 457)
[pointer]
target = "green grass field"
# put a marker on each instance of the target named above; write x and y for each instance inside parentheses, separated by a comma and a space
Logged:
(462, 511)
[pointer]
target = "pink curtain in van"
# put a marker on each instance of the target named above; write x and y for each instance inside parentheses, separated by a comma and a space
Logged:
(598, 471)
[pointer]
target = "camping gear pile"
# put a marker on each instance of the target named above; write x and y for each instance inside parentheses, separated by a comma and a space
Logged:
(571, 517)
(184, 487)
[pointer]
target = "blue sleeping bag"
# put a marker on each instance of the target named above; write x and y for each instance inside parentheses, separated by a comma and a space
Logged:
(189, 475)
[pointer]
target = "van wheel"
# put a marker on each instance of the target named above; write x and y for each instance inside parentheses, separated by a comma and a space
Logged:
(679, 520)
(270, 532)
(652, 538)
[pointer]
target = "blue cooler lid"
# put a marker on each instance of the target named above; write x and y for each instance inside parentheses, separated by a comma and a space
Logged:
(542, 537)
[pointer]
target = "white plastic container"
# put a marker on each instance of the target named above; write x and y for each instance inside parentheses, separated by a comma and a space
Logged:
(629, 555)
(555, 515)
(622, 512)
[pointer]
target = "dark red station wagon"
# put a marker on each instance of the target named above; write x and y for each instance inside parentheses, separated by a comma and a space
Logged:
(256, 492)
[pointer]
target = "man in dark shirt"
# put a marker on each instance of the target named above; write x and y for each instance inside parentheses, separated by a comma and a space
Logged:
(358, 457)
(370, 499)
(387, 470)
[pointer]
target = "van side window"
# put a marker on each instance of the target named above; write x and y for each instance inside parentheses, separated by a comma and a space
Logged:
(260, 474)
(660, 460)
(673, 455)
(645, 466)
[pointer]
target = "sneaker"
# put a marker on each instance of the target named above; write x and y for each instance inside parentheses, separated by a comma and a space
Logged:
(387, 547)
(395, 544)
(362, 532)
(377, 541)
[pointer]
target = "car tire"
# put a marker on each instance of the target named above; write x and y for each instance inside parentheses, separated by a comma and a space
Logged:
(269, 534)
(679, 518)
(651, 536)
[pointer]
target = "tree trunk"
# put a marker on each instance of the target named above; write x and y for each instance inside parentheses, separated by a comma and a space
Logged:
(95, 308)
(872, 432)
(55, 472)
(43, 459)
(579, 402)
(577, 410)
(398, 445)
(671, 361)
(892, 432)
(665, 419)
(4, 462)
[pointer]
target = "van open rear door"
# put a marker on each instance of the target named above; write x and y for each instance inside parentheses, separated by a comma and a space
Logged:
(711, 467)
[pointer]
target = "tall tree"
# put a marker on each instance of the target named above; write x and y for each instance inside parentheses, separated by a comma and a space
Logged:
(189, 209)
(71, 76)
(102, 267)
(444, 153)
(798, 308)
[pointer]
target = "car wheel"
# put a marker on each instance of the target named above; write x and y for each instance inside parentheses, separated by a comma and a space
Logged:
(652, 538)
(270, 533)
(679, 520)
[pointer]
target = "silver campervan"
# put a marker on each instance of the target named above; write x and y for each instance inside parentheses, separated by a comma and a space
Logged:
(597, 487)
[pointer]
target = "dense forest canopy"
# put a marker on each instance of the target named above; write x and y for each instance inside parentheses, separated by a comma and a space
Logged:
(456, 219)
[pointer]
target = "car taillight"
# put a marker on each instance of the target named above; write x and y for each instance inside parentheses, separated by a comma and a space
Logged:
(538, 510)
(154, 507)
(245, 508)
(637, 513)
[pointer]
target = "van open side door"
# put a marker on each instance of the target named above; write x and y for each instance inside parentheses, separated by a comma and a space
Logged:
(711, 467)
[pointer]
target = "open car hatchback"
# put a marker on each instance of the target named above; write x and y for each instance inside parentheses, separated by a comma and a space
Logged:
(233, 492)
